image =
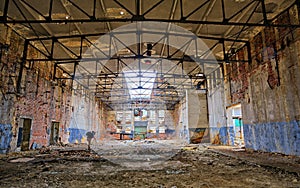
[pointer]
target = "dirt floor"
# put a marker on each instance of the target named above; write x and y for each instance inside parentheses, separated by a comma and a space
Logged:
(148, 164)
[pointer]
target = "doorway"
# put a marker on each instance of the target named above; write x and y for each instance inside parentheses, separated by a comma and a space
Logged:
(235, 119)
(54, 135)
(24, 134)
(238, 129)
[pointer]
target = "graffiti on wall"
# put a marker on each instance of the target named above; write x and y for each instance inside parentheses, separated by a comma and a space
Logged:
(5, 137)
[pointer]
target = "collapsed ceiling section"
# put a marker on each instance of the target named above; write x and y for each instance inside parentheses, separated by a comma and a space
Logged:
(139, 51)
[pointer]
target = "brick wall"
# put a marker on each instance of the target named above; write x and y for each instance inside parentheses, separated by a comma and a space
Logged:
(41, 99)
(269, 88)
(270, 82)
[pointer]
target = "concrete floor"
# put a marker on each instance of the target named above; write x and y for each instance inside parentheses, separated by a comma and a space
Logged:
(148, 163)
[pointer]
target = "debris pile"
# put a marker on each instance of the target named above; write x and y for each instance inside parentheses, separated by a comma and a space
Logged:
(144, 164)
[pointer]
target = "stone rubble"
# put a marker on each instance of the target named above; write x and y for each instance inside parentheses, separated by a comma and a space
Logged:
(141, 164)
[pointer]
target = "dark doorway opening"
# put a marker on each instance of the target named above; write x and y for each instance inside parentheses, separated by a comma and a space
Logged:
(54, 135)
(24, 134)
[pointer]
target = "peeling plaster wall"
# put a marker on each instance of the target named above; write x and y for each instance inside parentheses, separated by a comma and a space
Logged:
(220, 133)
(9, 68)
(197, 116)
(279, 137)
(269, 88)
(5, 138)
(85, 117)
(103, 120)
(44, 102)
(170, 119)
(180, 119)
(197, 109)
(176, 118)
(41, 99)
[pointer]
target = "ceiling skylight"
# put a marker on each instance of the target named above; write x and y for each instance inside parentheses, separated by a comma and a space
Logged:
(140, 84)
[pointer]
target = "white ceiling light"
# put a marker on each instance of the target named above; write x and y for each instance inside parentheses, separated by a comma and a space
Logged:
(140, 87)
(115, 12)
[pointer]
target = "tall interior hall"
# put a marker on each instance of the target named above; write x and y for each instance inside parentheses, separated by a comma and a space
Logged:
(212, 72)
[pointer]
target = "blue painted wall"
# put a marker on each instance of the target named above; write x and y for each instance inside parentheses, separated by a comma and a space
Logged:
(278, 137)
(226, 134)
(5, 137)
(76, 134)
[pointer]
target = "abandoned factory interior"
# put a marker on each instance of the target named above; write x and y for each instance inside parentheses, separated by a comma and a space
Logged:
(150, 93)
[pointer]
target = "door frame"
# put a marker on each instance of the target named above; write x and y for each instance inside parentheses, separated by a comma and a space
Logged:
(20, 134)
(231, 118)
(54, 132)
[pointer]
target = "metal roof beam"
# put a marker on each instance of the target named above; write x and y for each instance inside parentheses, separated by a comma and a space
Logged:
(129, 20)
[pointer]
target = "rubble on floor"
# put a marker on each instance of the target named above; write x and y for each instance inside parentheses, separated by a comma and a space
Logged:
(186, 166)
